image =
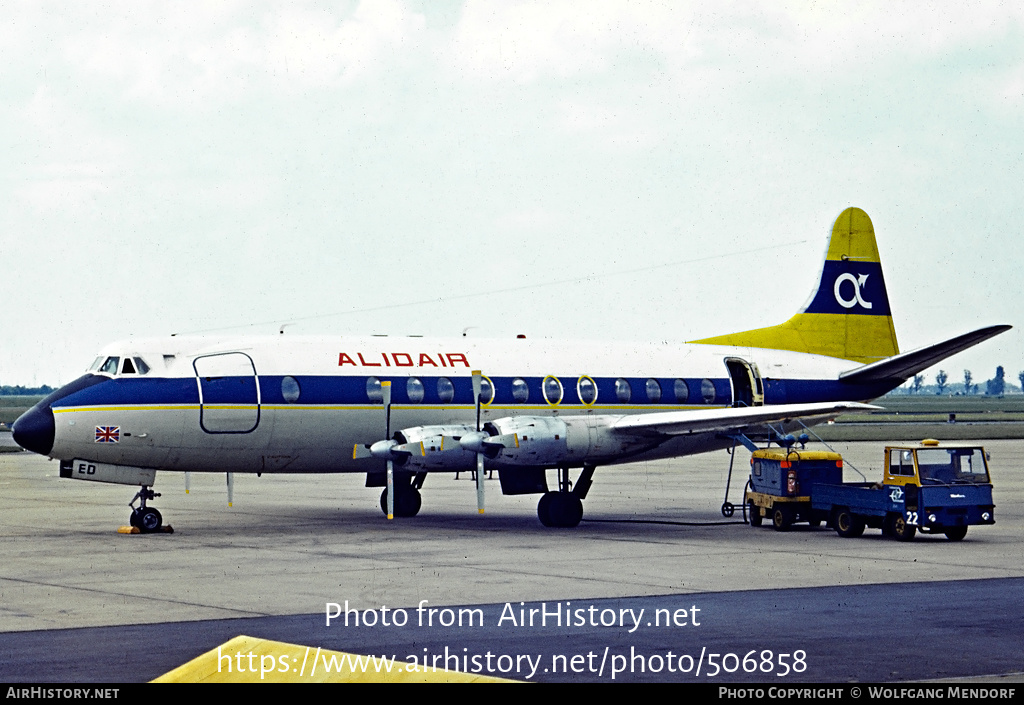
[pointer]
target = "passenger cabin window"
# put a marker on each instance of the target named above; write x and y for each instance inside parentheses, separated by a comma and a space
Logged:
(520, 392)
(486, 391)
(552, 390)
(414, 389)
(682, 391)
(653, 391)
(622, 390)
(445, 390)
(374, 392)
(290, 389)
(587, 390)
(707, 391)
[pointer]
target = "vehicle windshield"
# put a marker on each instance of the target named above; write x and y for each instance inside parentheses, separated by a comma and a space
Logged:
(952, 466)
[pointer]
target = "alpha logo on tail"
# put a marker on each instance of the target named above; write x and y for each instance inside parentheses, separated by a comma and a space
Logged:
(858, 283)
(848, 314)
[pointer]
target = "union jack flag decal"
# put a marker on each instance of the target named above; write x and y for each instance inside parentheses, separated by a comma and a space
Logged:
(108, 434)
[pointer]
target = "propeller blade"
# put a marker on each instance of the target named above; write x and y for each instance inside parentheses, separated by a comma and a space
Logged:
(477, 386)
(385, 388)
(391, 490)
(360, 451)
(480, 482)
(476, 440)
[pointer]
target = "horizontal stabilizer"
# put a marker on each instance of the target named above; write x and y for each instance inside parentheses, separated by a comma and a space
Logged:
(905, 365)
(676, 423)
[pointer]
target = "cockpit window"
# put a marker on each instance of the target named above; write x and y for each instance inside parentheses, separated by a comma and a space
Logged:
(96, 363)
(128, 368)
(141, 365)
(110, 365)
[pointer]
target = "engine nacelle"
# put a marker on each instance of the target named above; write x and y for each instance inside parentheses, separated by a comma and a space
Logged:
(441, 448)
(553, 441)
(517, 441)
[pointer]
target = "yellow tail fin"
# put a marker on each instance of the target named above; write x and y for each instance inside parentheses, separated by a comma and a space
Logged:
(848, 315)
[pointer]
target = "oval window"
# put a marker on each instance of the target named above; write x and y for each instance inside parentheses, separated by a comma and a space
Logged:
(653, 391)
(445, 390)
(290, 389)
(622, 390)
(707, 390)
(373, 391)
(587, 390)
(552, 390)
(520, 392)
(414, 390)
(682, 390)
(486, 391)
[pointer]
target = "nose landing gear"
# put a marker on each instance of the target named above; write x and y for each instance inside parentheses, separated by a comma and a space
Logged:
(145, 519)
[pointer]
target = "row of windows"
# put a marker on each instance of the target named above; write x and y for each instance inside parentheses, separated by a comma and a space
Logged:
(551, 390)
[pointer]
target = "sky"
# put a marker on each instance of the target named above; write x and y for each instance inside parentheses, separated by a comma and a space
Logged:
(583, 170)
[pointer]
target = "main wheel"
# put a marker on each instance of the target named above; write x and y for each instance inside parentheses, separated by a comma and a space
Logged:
(782, 518)
(901, 530)
(407, 502)
(754, 512)
(149, 520)
(544, 509)
(849, 525)
(133, 520)
(561, 509)
(956, 533)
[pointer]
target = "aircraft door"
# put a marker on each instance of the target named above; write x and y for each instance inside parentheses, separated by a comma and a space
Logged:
(229, 393)
(747, 388)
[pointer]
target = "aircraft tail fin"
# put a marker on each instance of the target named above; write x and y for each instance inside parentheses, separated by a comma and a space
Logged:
(848, 314)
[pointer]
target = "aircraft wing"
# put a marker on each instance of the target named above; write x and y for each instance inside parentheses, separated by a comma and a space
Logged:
(677, 423)
(905, 365)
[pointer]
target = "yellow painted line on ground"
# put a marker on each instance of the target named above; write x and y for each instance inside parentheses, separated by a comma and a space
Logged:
(247, 659)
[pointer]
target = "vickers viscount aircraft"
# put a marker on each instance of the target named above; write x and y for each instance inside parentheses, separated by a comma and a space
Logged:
(396, 409)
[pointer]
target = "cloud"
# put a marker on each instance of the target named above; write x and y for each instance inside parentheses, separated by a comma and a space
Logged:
(184, 54)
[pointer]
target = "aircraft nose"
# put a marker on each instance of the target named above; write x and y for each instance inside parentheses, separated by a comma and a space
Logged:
(34, 430)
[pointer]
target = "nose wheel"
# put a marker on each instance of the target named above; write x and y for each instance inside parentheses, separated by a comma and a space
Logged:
(146, 519)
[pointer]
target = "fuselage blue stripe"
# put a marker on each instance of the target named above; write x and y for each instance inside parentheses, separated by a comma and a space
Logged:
(352, 390)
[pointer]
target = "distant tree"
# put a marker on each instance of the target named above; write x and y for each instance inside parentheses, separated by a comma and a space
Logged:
(942, 378)
(967, 381)
(997, 385)
(916, 386)
(17, 389)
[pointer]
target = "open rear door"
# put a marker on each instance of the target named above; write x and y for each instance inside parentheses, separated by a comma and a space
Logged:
(747, 389)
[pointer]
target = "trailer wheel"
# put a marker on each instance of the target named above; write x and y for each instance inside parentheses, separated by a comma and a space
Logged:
(901, 530)
(848, 524)
(956, 533)
(754, 512)
(782, 518)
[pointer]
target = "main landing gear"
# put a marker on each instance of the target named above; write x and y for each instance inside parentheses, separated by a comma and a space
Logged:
(145, 519)
(564, 508)
(407, 495)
